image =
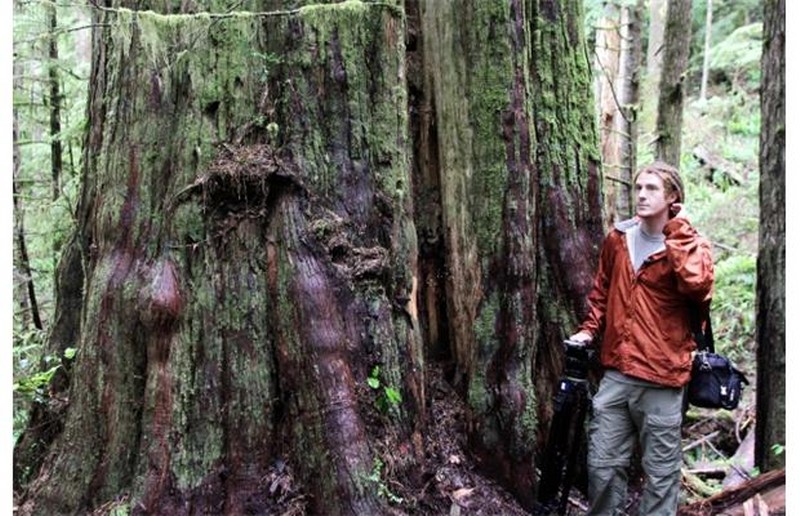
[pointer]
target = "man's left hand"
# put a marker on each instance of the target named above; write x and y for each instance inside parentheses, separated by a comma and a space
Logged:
(678, 210)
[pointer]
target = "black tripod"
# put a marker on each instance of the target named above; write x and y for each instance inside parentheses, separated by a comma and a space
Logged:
(566, 435)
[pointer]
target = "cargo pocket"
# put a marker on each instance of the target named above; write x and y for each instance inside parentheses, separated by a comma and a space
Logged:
(662, 444)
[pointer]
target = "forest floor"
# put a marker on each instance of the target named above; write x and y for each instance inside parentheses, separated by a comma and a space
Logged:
(456, 486)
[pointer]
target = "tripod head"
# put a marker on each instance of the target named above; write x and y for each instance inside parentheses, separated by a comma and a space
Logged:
(576, 360)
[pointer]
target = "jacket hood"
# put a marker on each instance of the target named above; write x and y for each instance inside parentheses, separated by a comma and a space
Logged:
(624, 225)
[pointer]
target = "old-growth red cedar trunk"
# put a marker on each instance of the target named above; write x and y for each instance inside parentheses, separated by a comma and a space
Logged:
(672, 87)
(771, 284)
(514, 143)
(252, 265)
(250, 260)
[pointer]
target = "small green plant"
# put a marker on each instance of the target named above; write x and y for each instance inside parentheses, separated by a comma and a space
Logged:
(36, 383)
(376, 476)
(30, 383)
(389, 397)
(778, 449)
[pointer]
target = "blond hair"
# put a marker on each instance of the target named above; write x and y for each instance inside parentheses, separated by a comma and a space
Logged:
(668, 174)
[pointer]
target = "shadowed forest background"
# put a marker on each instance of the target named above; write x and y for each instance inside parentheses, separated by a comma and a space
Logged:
(294, 258)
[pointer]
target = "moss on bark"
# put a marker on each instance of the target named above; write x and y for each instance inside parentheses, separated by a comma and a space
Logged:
(194, 413)
(251, 254)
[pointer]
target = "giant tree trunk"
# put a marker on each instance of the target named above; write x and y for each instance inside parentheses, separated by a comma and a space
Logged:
(252, 264)
(509, 83)
(771, 284)
(672, 90)
(250, 260)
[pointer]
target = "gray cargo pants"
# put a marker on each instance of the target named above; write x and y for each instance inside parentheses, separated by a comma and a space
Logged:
(622, 412)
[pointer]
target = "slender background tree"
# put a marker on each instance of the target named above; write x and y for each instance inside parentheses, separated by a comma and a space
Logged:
(771, 286)
(673, 84)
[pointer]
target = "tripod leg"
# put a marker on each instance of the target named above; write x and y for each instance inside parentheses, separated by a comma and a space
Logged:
(553, 461)
(577, 431)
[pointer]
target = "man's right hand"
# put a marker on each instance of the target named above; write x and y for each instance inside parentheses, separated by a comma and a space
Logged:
(582, 337)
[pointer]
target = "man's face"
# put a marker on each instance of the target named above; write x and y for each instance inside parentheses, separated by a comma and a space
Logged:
(651, 201)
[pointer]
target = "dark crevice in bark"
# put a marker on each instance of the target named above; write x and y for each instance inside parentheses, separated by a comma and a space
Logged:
(431, 298)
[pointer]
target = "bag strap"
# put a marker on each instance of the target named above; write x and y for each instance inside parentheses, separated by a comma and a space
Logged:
(700, 315)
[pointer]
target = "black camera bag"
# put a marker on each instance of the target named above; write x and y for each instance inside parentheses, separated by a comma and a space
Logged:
(715, 382)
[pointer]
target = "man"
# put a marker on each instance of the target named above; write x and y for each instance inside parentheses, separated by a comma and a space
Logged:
(652, 269)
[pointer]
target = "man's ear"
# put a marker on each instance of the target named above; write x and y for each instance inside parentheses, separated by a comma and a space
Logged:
(672, 198)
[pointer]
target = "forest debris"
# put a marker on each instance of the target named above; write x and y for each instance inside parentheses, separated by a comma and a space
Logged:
(239, 174)
(770, 487)
(756, 506)
(120, 503)
(714, 163)
(709, 471)
(695, 484)
(742, 461)
(460, 494)
(700, 441)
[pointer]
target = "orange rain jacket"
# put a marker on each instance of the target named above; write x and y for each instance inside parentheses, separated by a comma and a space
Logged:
(645, 315)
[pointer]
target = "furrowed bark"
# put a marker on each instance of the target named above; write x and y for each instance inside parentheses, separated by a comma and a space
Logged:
(509, 84)
(250, 248)
(251, 259)
(570, 216)
(771, 282)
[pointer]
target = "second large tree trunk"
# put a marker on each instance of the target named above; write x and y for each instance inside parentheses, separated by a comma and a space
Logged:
(509, 83)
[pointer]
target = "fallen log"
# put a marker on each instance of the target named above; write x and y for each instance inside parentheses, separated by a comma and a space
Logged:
(742, 462)
(715, 163)
(768, 489)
